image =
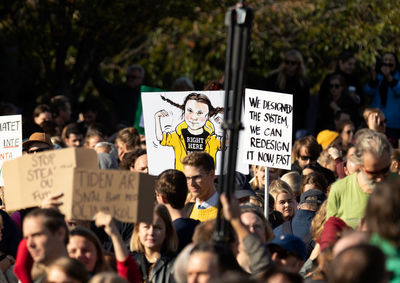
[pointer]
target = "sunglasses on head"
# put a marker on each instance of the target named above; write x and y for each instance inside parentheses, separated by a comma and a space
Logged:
(291, 62)
(390, 65)
(336, 86)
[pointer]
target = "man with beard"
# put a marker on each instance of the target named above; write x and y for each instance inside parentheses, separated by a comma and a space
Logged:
(348, 196)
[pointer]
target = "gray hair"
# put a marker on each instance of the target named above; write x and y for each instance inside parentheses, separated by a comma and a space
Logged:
(135, 67)
(372, 142)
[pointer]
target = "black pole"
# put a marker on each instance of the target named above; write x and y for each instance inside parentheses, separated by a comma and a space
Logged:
(238, 19)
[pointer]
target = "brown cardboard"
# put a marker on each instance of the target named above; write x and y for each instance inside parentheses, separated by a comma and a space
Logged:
(128, 196)
(30, 178)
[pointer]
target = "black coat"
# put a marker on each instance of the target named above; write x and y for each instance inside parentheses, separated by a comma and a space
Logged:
(162, 270)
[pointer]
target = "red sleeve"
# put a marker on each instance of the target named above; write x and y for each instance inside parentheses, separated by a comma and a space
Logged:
(23, 263)
(129, 270)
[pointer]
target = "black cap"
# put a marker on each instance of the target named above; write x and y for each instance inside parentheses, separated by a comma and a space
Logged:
(313, 196)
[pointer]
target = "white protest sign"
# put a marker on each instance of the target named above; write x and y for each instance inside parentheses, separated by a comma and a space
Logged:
(268, 128)
(177, 123)
(10, 140)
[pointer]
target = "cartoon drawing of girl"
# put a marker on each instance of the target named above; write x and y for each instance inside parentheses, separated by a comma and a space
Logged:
(196, 132)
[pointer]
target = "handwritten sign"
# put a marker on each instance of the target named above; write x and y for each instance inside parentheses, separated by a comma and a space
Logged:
(268, 128)
(10, 140)
(29, 179)
(128, 196)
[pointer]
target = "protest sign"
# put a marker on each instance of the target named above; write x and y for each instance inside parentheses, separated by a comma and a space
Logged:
(10, 140)
(268, 128)
(28, 180)
(127, 196)
(177, 123)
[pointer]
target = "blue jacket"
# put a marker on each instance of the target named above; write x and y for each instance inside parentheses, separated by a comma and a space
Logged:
(301, 224)
(392, 107)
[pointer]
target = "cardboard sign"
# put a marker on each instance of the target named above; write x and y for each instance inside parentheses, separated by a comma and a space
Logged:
(268, 128)
(173, 129)
(127, 196)
(28, 180)
(10, 140)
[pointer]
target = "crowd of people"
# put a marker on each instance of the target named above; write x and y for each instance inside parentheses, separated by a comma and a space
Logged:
(334, 217)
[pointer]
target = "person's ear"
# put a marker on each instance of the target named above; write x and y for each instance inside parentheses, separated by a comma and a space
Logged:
(275, 257)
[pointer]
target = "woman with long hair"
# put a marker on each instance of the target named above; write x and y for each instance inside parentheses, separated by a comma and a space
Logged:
(154, 246)
(284, 199)
(384, 91)
(291, 78)
(334, 101)
(84, 246)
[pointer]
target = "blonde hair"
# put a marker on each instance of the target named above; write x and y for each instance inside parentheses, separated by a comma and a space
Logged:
(278, 186)
(293, 179)
(255, 183)
(170, 242)
(318, 222)
(301, 70)
(325, 158)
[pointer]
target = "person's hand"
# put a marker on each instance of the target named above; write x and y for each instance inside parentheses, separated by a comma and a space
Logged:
(375, 123)
(52, 201)
(231, 208)
(105, 220)
(334, 152)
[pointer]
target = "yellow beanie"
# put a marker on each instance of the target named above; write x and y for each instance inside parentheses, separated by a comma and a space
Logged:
(326, 137)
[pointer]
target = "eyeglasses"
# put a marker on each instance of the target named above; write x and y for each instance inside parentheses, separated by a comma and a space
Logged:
(30, 151)
(291, 62)
(379, 173)
(390, 65)
(336, 86)
(305, 158)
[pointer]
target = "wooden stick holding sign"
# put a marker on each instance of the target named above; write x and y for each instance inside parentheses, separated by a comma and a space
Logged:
(266, 194)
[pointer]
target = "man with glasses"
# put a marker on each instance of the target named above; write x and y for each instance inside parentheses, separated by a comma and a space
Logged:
(37, 142)
(199, 169)
(348, 197)
(306, 151)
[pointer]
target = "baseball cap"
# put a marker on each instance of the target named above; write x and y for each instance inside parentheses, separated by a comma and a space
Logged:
(313, 196)
(291, 244)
